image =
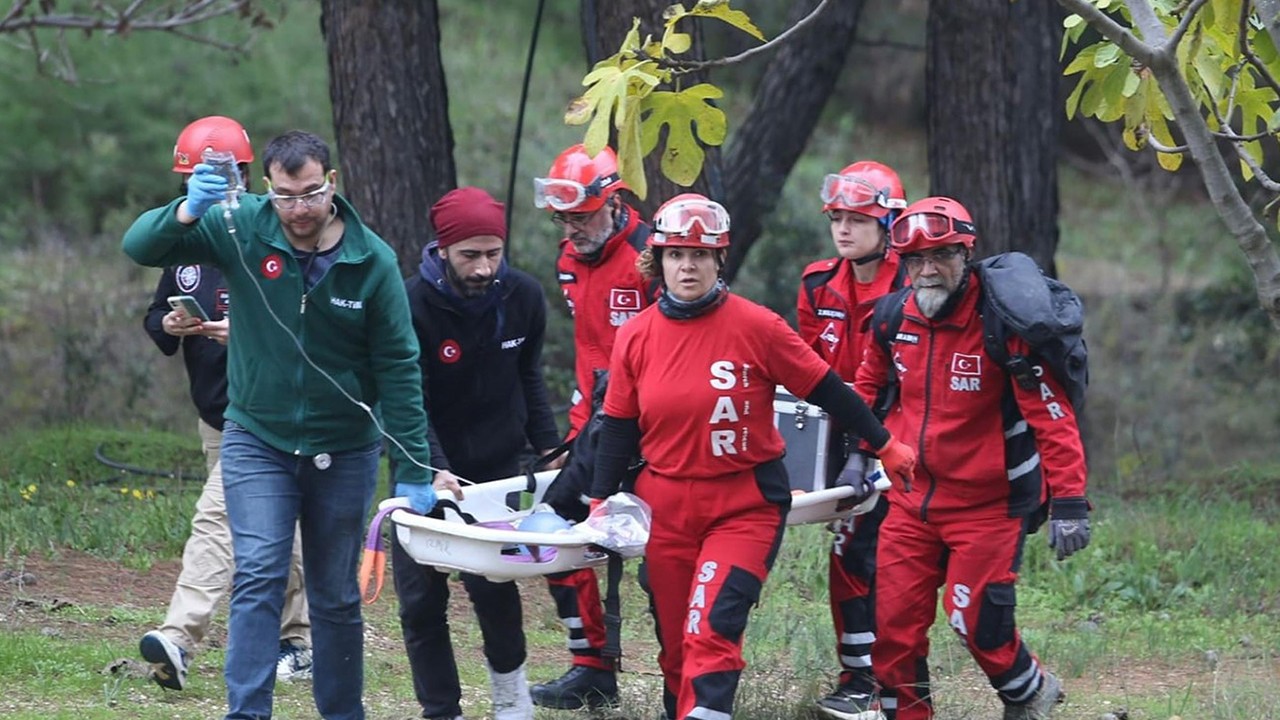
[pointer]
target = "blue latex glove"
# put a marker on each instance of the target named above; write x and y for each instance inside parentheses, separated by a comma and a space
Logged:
(1068, 525)
(422, 496)
(205, 189)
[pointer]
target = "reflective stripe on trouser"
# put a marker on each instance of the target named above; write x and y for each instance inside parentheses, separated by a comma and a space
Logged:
(977, 559)
(577, 598)
(207, 563)
(710, 548)
(851, 581)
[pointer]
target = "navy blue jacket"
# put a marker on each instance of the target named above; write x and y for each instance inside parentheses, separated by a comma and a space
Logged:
(206, 359)
(482, 374)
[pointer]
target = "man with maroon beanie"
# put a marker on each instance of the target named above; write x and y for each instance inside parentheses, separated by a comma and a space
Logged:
(480, 324)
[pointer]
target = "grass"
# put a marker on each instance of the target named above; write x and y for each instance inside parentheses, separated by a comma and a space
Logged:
(1171, 611)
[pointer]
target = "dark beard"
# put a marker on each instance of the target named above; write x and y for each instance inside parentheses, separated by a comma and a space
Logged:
(464, 288)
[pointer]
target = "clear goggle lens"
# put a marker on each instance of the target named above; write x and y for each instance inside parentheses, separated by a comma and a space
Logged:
(311, 199)
(679, 218)
(559, 195)
(854, 192)
(933, 226)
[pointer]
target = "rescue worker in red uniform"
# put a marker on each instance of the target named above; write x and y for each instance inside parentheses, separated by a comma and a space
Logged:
(597, 274)
(833, 311)
(962, 520)
(691, 386)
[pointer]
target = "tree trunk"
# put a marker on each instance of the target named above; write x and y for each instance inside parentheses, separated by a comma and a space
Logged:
(994, 115)
(604, 25)
(784, 111)
(391, 110)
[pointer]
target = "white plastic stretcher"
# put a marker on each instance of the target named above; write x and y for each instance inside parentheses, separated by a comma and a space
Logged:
(494, 548)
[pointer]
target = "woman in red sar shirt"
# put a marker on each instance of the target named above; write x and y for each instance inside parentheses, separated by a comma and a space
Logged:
(692, 381)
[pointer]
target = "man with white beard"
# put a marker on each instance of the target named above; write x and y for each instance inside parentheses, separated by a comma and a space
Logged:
(991, 454)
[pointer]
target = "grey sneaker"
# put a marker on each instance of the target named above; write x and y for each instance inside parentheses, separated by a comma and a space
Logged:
(846, 703)
(1041, 704)
(168, 660)
(294, 663)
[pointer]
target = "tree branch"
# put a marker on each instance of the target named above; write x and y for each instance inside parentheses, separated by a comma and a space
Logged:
(681, 67)
(115, 21)
(1185, 23)
(1248, 53)
(1112, 30)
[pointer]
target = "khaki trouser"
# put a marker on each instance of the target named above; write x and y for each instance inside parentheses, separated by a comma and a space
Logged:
(207, 566)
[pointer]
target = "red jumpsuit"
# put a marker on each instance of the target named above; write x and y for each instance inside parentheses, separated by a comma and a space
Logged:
(963, 521)
(701, 391)
(602, 295)
(833, 311)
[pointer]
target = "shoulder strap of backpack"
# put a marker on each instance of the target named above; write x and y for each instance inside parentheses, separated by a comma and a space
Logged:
(812, 282)
(886, 319)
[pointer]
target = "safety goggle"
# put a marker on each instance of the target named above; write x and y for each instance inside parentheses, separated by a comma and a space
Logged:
(563, 195)
(309, 200)
(853, 192)
(678, 218)
(933, 226)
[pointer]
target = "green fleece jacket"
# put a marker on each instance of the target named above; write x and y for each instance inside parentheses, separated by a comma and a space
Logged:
(354, 325)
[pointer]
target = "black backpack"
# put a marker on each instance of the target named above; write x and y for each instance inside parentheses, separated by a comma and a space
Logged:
(1016, 298)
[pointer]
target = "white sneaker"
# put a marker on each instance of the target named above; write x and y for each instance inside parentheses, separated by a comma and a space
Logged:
(168, 660)
(510, 691)
(294, 663)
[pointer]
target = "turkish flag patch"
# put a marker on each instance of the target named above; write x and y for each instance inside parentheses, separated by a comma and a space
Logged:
(624, 299)
(962, 364)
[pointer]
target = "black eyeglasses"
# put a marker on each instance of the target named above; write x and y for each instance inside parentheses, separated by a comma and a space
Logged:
(939, 257)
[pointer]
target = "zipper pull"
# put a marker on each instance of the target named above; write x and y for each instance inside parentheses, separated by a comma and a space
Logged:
(303, 309)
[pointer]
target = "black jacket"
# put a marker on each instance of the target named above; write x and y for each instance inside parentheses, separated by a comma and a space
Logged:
(206, 359)
(482, 375)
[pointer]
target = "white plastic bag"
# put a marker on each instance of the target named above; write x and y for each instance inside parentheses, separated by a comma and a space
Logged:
(621, 524)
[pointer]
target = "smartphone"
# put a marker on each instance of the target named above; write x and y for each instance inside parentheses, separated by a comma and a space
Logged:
(189, 305)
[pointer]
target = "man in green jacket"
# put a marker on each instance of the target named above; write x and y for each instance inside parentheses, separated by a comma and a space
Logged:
(323, 335)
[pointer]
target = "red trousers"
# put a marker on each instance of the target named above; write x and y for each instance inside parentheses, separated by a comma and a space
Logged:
(577, 598)
(710, 549)
(977, 559)
(851, 579)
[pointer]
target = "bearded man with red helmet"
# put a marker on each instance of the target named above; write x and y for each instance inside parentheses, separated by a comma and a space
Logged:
(962, 519)
(832, 311)
(692, 384)
(597, 274)
(206, 557)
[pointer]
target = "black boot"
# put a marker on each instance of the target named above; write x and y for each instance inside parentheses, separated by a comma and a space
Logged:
(580, 686)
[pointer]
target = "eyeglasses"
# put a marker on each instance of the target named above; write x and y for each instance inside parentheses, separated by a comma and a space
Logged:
(562, 195)
(939, 257)
(853, 192)
(309, 200)
(933, 226)
(573, 219)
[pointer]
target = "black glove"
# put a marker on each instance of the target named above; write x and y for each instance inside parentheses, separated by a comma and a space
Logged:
(1068, 525)
(854, 475)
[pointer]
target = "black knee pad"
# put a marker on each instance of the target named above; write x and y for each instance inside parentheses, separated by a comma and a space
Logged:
(996, 616)
(732, 607)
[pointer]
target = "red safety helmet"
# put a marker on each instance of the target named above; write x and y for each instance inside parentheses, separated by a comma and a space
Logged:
(690, 220)
(578, 182)
(214, 132)
(930, 223)
(865, 187)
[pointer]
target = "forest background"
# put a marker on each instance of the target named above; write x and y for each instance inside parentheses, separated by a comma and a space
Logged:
(1183, 407)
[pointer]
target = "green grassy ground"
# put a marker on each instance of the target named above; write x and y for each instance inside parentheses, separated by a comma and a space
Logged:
(1171, 612)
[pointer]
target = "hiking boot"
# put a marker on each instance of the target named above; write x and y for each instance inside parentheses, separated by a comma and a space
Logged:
(848, 703)
(510, 692)
(1041, 704)
(580, 686)
(294, 663)
(168, 660)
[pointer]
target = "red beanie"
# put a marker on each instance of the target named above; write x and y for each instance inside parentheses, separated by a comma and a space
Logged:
(466, 213)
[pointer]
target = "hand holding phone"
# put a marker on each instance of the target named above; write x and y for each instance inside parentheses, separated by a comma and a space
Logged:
(188, 305)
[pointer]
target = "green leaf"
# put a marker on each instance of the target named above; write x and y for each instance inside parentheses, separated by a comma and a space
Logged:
(720, 10)
(1113, 100)
(1168, 161)
(1083, 60)
(1071, 21)
(1106, 55)
(1073, 100)
(676, 43)
(630, 157)
(1131, 83)
(613, 92)
(685, 114)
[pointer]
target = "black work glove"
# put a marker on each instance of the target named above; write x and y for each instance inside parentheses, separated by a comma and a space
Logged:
(854, 475)
(1068, 525)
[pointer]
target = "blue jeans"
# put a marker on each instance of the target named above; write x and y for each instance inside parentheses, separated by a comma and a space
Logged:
(267, 492)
